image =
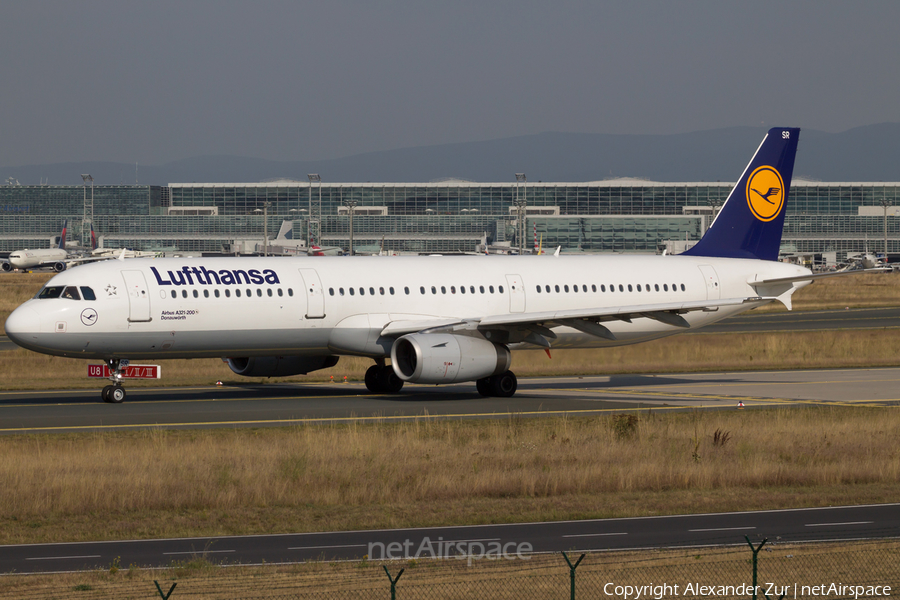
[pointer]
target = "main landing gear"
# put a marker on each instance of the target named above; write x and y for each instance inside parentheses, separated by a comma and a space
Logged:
(501, 386)
(115, 393)
(381, 379)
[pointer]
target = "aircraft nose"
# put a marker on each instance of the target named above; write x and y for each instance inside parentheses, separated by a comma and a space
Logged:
(22, 324)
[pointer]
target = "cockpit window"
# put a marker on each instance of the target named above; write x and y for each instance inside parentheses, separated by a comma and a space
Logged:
(87, 293)
(71, 293)
(51, 291)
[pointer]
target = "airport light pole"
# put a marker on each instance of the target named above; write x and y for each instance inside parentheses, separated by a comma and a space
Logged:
(265, 213)
(351, 206)
(885, 205)
(313, 229)
(521, 203)
(87, 216)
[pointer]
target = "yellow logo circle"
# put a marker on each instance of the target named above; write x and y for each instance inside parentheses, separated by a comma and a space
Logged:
(765, 193)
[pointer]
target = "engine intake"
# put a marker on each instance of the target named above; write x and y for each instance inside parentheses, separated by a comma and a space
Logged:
(279, 366)
(447, 358)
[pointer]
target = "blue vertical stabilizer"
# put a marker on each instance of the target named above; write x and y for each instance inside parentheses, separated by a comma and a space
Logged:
(751, 221)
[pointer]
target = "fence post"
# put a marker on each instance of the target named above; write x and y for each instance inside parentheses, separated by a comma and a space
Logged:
(572, 573)
(159, 589)
(393, 581)
(755, 552)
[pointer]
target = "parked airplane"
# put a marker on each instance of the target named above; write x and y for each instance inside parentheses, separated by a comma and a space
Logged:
(57, 258)
(438, 319)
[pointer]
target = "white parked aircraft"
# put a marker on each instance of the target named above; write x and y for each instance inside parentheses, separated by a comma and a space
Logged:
(438, 319)
(57, 258)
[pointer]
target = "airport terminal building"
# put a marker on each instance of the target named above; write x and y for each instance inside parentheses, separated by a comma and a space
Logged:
(621, 215)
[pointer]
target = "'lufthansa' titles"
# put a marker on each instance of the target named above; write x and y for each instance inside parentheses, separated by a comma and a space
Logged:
(204, 276)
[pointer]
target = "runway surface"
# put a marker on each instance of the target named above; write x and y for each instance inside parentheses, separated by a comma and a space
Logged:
(817, 524)
(293, 404)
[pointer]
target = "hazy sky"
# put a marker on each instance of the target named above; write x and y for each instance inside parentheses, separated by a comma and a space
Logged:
(152, 82)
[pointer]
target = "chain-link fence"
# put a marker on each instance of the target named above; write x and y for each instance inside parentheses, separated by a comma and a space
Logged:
(828, 571)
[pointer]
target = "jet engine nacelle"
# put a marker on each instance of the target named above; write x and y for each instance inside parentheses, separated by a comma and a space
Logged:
(59, 267)
(447, 358)
(6, 267)
(279, 366)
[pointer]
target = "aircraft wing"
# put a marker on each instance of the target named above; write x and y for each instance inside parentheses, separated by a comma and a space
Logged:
(535, 327)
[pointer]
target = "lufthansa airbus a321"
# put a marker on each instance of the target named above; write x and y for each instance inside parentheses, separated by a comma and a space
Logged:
(435, 319)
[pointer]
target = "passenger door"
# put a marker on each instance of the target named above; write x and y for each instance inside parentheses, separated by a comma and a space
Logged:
(315, 295)
(138, 297)
(516, 293)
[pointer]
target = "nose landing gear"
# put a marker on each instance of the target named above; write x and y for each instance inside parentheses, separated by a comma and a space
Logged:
(114, 393)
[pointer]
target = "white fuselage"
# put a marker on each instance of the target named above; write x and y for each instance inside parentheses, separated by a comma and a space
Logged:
(229, 307)
(28, 259)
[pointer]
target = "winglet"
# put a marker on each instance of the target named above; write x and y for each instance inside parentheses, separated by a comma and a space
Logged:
(751, 221)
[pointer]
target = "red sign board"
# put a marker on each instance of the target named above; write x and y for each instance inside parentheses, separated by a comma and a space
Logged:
(129, 372)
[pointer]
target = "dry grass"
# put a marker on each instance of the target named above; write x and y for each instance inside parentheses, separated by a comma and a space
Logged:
(161, 483)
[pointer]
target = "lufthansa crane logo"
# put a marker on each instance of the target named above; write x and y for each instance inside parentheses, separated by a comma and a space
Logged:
(765, 193)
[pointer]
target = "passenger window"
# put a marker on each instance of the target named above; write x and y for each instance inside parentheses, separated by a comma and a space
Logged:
(174, 295)
(481, 288)
(452, 289)
(352, 292)
(621, 288)
(237, 293)
(216, 292)
(87, 293)
(196, 294)
(491, 288)
(462, 289)
(629, 288)
(362, 291)
(584, 288)
(602, 288)
(227, 293)
(391, 290)
(341, 291)
(259, 292)
(682, 287)
(556, 287)
(381, 291)
(422, 289)
(206, 293)
(656, 286)
(566, 288)
(184, 293)
(593, 287)
(472, 289)
(290, 291)
(249, 292)
(330, 291)
(269, 292)
(406, 290)
(371, 291)
(500, 289)
(433, 290)
(538, 289)
(281, 293)
(575, 288)
(638, 287)
(443, 290)
(547, 288)
(71, 293)
(665, 287)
